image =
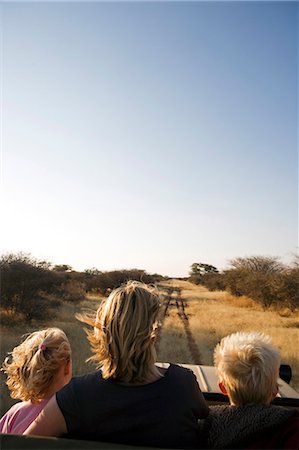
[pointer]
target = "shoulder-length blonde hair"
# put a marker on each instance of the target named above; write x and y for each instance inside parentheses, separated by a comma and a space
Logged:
(32, 366)
(124, 332)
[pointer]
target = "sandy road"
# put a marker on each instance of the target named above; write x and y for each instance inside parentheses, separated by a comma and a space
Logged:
(173, 298)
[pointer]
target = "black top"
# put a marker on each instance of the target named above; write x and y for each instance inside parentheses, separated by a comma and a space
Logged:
(164, 413)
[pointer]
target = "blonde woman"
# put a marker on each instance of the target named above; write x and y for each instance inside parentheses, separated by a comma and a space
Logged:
(248, 370)
(35, 370)
(129, 400)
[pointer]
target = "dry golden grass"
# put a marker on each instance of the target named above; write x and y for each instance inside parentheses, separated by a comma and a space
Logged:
(241, 302)
(172, 343)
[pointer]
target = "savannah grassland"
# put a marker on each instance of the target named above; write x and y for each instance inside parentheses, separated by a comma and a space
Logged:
(211, 316)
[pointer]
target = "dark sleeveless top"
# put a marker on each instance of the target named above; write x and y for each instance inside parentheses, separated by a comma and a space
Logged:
(164, 413)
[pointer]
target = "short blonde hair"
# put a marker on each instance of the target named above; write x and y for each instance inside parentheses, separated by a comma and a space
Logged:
(248, 365)
(124, 332)
(32, 366)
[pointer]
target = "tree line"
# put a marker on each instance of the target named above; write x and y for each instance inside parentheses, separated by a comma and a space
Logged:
(31, 287)
(264, 279)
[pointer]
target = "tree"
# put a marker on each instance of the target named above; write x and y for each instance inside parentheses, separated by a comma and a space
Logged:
(260, 264)
(257, 277)
(23, 279)
(202, 269)
(288, 291)
(202, 273)
(62, 268)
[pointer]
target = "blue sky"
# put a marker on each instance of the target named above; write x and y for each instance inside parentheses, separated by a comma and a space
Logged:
(150, 135)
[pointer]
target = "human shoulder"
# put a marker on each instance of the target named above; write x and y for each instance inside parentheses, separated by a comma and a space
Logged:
(81, 384)
(15, 407)
(87, 377)
(19, 406)
(179, 370)
(181, 378)
(7, 421)
(176, 371)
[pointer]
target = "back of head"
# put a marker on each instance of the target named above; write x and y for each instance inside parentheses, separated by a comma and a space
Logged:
(124, 332)
(33, 365)
(248, 365)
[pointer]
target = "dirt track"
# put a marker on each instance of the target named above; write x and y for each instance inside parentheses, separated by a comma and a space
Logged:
(172, 298)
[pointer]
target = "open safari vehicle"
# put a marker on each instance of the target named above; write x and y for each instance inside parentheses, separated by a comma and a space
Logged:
(207, 380)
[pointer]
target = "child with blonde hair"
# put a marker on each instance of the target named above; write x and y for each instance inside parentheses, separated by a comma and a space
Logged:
(248, 364)
(35, 370)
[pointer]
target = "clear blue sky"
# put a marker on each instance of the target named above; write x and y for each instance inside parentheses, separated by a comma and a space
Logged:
(149, 135)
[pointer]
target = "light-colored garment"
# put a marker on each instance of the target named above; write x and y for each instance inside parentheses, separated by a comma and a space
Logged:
(20, 416)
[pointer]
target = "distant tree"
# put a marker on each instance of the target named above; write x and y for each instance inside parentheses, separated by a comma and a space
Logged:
(296, 262)
(288, 288)
(202, 272)
(23, 279)
(31, 287)
(257, 277)
(92, 279)
(72, 290)
(265, 279)
(202, 269)
(105, 281)
(261, 264)
(92, 272)
(62, 268)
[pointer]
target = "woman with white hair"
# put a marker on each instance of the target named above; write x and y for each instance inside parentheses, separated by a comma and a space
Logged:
(248, 369)
(128, 400)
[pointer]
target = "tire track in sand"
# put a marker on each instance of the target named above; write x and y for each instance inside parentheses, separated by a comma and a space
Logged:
(173, 297)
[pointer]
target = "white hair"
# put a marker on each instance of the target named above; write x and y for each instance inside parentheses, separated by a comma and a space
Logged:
(248, 365)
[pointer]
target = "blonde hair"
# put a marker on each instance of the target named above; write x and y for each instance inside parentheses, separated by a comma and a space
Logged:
(124, 332)
(33, 365)
(248, 365)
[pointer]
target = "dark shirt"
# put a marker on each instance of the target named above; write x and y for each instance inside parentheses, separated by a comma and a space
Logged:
(164, 413)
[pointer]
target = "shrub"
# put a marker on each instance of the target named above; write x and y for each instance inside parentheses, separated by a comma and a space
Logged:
(105, 281)
(23, 279)
(288, 288)
(264, 279)
(214, 281)
(72, 290)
